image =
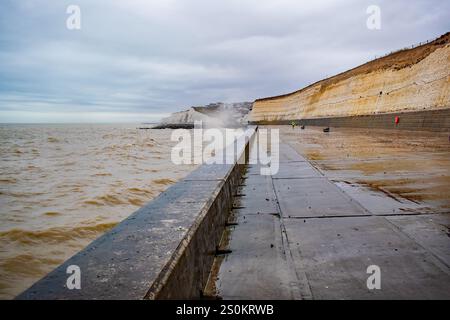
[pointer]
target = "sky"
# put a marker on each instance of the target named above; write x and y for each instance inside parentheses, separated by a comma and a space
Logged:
(139, 60)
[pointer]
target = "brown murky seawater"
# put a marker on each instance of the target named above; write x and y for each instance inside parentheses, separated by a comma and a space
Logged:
(62, 186)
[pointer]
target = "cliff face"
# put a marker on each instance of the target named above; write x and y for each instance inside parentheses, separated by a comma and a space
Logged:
(184, 117)
(212, 115)
(408, 80)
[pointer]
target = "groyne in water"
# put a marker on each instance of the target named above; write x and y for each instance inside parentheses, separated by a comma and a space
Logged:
(164, 250)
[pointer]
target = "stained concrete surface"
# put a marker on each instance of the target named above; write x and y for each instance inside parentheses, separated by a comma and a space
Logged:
(335, 253)
(330, 224)
(257, 242)
(313, 197)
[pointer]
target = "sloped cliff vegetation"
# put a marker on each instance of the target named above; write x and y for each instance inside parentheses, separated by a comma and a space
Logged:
(407, 80)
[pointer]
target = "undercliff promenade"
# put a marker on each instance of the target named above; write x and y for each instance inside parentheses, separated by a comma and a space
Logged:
(312, 230)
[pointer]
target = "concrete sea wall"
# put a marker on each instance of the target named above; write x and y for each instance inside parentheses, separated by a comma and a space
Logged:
(221, 115)
(164, 250)
(411, 80)
(432, 120)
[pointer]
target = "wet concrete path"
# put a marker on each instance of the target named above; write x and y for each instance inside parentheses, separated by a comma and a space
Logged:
(299, 235)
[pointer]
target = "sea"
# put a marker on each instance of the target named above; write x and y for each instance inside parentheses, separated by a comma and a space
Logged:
(64, 185)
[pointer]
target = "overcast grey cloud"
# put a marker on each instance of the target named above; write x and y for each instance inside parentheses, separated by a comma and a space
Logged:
(138, 60)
